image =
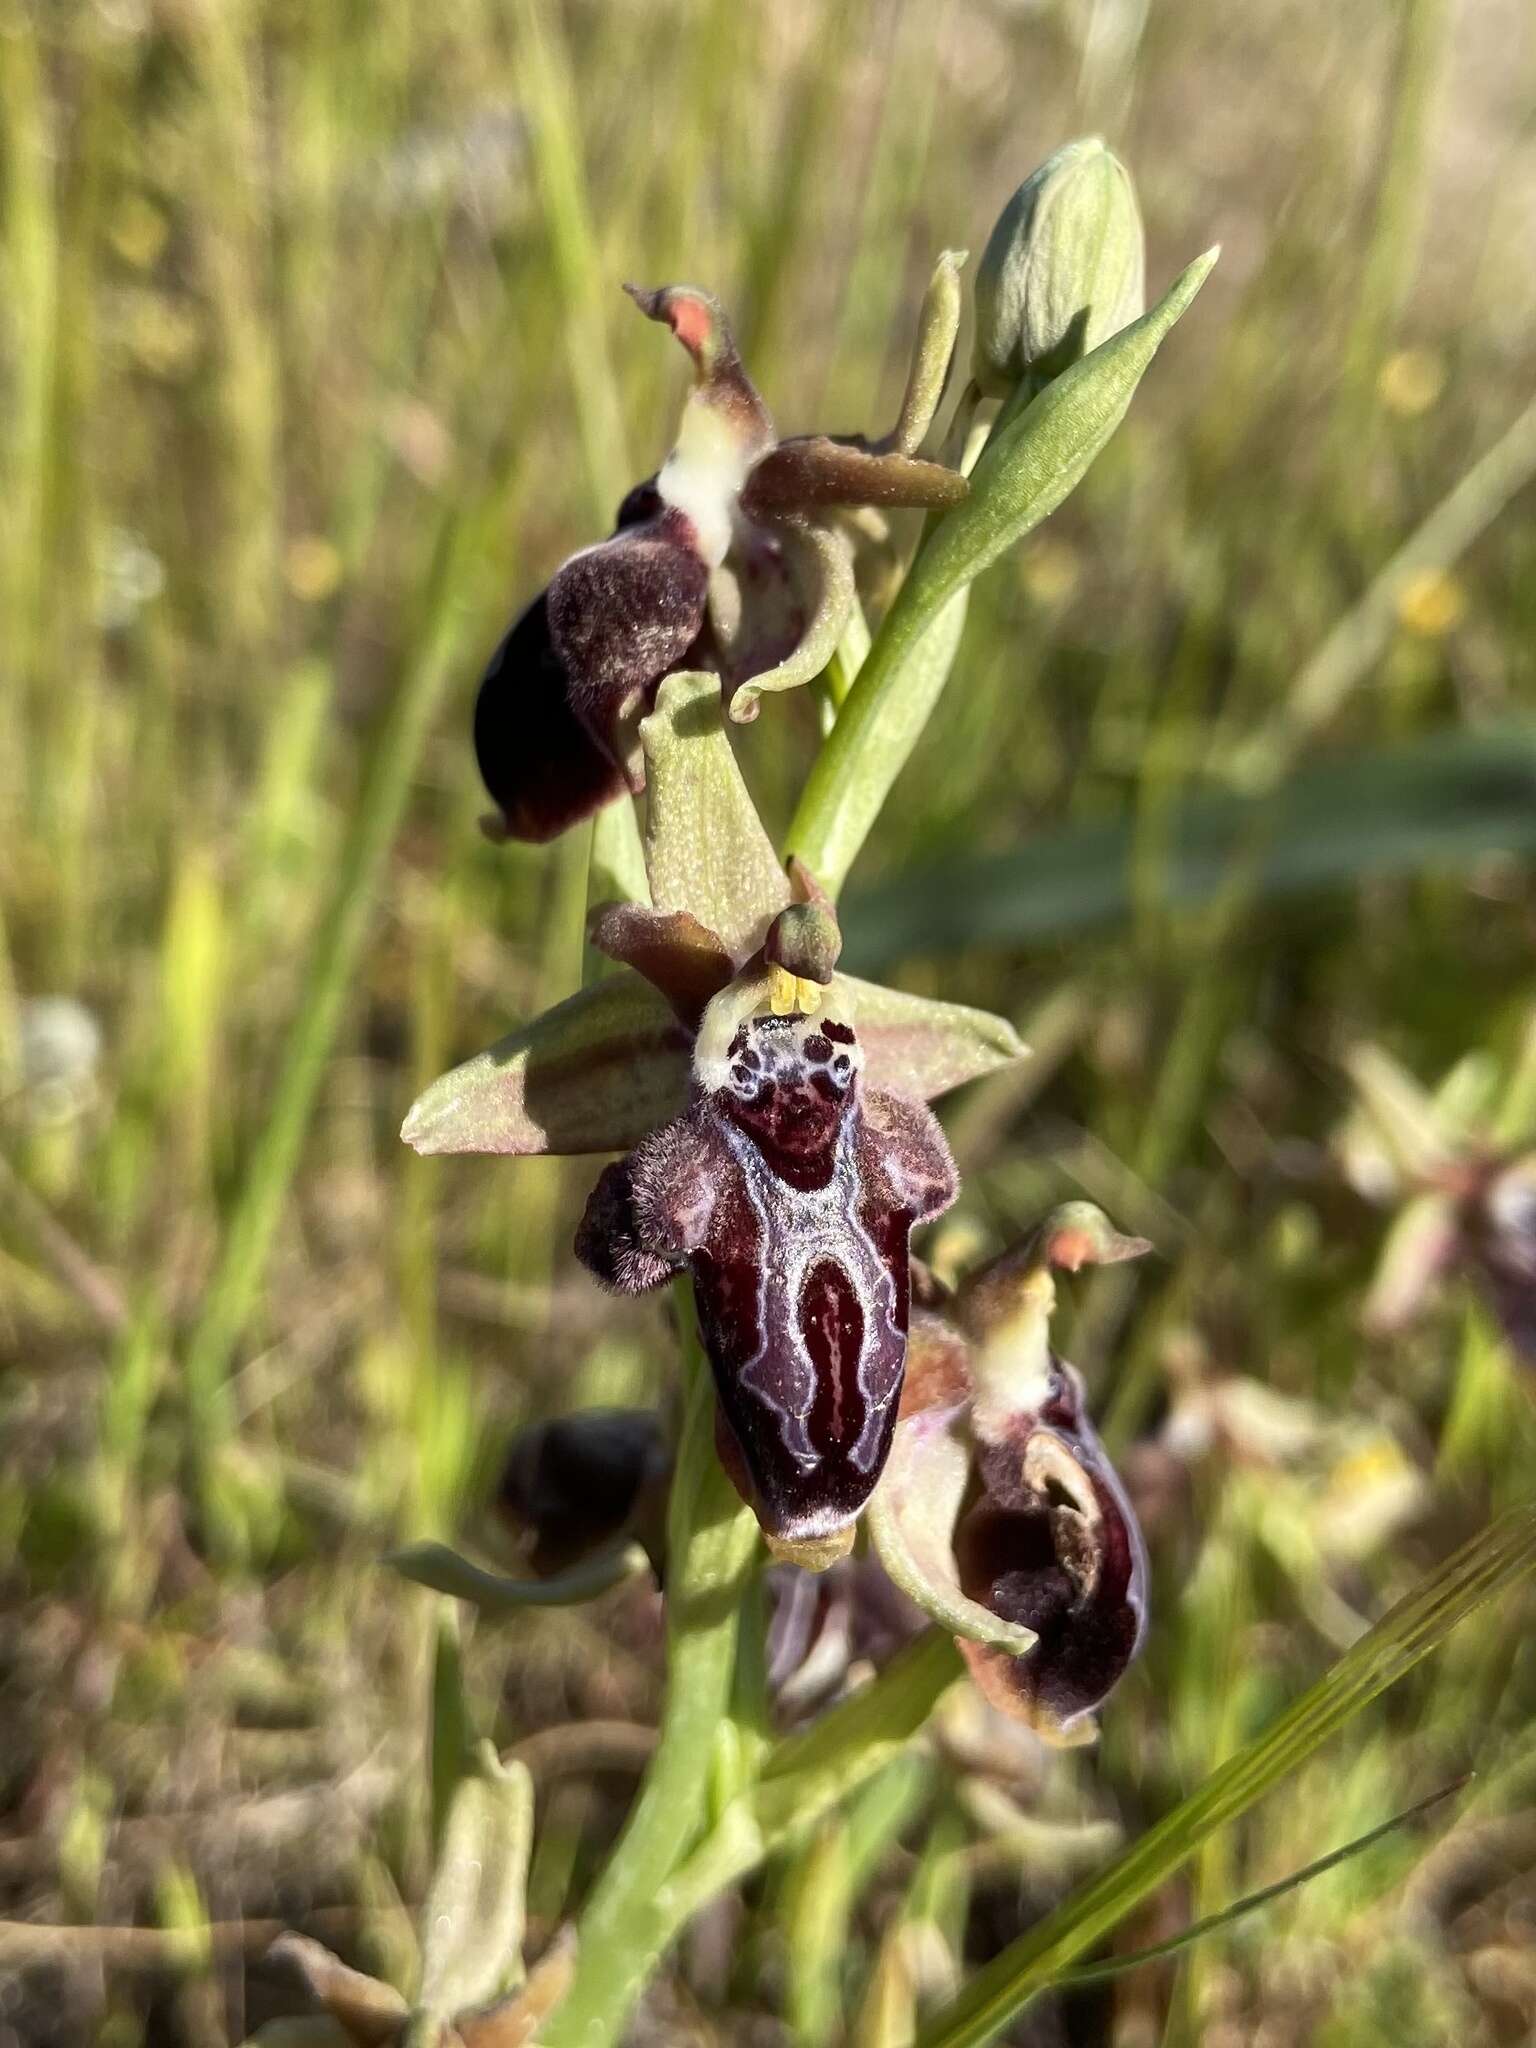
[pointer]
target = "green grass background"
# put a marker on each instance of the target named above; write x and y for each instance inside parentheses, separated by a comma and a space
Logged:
(312, 365)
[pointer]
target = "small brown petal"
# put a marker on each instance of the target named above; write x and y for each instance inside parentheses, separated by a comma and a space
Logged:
(516, 2021)
(816, 469)
(371, 2013)
(671, 948)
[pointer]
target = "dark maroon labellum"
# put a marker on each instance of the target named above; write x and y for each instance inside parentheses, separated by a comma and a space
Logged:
(791, 1193)
(555, 716)
(539, 762)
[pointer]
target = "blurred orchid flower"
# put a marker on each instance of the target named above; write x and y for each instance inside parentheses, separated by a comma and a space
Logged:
(1459, 1169)
(731, 558)
(999, 1512)
(578, 1484)
(773, 1112)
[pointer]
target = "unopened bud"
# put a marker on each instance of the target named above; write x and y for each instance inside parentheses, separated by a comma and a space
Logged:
(1064, 269)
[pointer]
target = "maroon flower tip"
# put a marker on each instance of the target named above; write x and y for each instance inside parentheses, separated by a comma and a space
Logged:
(1052, 1543)
(538, 760)
(672, 949)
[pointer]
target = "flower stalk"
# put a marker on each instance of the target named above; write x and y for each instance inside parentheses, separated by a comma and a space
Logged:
(711, 1547)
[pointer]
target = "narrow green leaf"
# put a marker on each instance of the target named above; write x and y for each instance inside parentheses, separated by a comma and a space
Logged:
(938, 323)
(446, 1571)
(818, 1899)
(472, 1922)
(1441, 802)
(853, 773)
(807, 1774)
(1489, 1564)
(1036, 459)
(1030, 464)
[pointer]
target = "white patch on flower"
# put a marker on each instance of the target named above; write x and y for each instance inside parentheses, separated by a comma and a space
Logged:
(703, 477)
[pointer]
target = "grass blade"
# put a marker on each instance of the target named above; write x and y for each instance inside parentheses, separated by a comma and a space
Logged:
(1160, 1951)
(1489, 1564)
(252, 1225)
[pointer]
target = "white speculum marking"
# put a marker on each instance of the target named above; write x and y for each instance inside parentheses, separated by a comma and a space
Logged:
(802, 1228)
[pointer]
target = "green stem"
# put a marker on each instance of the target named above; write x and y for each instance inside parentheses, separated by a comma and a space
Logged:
(808, 1774)
(711, 1541)
(804, 1778)
(851, 777)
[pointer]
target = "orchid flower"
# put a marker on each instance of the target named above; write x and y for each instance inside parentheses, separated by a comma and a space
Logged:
(733, 557)
(1000, 1512)
(1458, 1168)
(773, 1112)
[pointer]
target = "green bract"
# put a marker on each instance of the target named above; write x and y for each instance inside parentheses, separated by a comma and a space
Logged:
(473, 1992)
(1034, 458)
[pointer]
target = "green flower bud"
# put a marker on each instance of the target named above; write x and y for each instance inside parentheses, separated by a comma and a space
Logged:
(1064, 269)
